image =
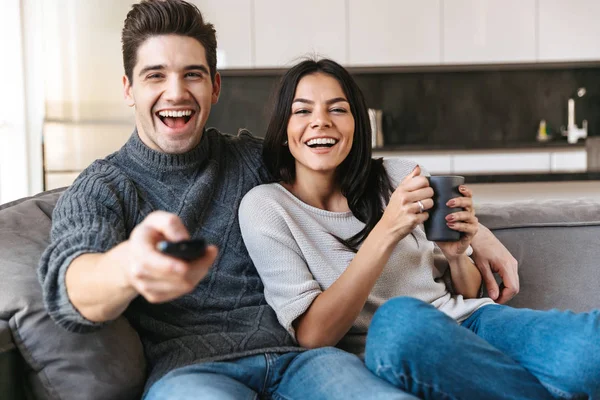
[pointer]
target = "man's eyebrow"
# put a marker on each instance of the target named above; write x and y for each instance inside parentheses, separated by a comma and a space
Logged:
(330, 101)
(160, 67)
(196, 67)
(151, 68)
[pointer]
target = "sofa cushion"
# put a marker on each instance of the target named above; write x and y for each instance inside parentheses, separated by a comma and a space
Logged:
(556, 245)
(9, 368)
(107, 364)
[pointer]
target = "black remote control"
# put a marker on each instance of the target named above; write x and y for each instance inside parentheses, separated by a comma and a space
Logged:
(187, 250)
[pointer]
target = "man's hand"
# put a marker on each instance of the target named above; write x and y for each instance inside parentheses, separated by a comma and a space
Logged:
(491, 256)
(156, 276)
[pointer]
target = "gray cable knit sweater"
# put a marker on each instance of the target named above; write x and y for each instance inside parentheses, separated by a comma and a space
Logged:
(226, 316)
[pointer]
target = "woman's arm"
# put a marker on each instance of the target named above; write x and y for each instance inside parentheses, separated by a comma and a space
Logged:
(333, 312)
(322, 317)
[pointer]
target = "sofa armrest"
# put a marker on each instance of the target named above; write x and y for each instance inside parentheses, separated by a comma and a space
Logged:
(556, 245)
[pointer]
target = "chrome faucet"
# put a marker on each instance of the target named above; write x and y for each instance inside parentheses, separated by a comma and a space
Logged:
(574, 133)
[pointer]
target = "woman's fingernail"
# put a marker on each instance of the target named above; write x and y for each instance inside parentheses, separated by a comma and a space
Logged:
(450, 217)
(462, 188)
(451, 203)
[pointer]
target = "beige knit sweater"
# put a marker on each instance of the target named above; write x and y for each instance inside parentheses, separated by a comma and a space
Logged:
(297, 257)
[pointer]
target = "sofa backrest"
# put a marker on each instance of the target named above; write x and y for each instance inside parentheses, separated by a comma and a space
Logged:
(557, 245)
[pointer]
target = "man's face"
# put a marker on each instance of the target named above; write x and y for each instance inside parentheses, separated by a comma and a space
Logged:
(172, 92)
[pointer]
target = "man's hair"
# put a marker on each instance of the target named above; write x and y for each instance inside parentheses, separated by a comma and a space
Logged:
(166, 17)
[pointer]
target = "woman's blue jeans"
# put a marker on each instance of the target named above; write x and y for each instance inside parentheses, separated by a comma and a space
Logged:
(499, 352)
(326, 373)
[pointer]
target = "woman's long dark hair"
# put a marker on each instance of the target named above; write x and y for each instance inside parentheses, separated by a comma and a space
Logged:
(363, 180)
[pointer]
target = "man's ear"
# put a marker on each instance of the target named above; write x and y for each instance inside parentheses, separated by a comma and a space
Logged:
(216, 88)
(129, 100)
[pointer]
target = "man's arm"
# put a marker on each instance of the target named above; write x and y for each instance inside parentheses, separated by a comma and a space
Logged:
(101, 286)
(91, 270)
(491, 256)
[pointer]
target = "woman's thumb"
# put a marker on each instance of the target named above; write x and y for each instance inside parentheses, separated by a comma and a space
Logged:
(416, 171)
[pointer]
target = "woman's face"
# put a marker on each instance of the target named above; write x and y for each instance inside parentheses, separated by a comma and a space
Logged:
(321, 127)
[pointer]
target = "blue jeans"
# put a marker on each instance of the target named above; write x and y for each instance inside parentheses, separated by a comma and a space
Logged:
(499, 352)
(326, 373)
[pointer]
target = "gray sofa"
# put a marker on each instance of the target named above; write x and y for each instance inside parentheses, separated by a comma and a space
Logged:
(555, 242)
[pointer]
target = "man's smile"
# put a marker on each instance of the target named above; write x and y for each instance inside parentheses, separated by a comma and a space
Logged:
(175, 118)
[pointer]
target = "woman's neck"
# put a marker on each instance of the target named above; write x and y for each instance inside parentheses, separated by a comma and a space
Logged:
(318, 190)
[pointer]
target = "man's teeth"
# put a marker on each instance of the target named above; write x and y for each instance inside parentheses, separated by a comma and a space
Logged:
(313, 142)
(175, 114)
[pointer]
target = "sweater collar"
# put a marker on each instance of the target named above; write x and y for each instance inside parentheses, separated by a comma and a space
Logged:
(150, 158)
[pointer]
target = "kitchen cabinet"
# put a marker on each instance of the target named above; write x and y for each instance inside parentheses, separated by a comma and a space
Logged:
(474, 162)
(500, 162)
(489, 31)
(432, 162)
(394, 32)
(568, 160)
(233, 21)
(285, 31)
(569, 30)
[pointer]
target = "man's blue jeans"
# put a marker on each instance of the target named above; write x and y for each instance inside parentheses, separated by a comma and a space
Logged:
(326, 373)
(499, 352)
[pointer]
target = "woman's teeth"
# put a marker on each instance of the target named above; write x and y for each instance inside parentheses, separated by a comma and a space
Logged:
(328, 142)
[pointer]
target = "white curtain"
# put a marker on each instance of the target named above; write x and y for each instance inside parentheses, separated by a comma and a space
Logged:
(14, 172)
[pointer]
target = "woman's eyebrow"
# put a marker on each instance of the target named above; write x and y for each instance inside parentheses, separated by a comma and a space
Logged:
(330, 101)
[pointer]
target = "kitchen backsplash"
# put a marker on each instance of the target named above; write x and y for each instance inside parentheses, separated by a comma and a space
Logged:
(438, 108)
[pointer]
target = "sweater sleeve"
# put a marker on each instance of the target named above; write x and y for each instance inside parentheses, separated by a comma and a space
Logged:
(251, 149)
(88, 218)
(398, 168)
(290, 287)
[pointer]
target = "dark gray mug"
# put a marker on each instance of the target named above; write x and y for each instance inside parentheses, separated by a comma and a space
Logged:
(444, 189)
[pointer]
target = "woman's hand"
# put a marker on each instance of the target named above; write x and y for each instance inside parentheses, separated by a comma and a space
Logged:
(408, 205)
(463, 221)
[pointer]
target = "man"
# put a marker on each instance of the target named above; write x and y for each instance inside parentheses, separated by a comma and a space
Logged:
(205, 325)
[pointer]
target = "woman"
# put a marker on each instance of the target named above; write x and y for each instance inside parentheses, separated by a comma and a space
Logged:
(340, 233)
